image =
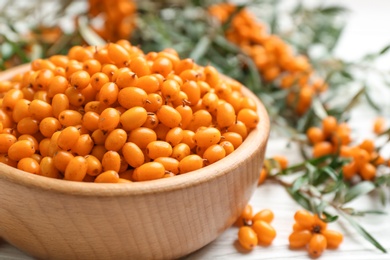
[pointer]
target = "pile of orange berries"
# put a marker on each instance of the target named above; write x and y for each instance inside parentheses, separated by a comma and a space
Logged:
(311, 232)
(273, 57)
(255, 228)
(333, 137)
(118, 17)
(114, 114)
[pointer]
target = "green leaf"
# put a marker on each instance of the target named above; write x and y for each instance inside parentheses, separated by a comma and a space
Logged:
(6, 50)
(200, 48)
(358, 190)
(329, 218)
(384, 50)
(300, 198)
(333, 10)
(298, 183)
(363, 232)
(371, 102)
(319, 109)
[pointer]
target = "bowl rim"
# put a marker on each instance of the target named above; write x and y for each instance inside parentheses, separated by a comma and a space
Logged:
(256, 139)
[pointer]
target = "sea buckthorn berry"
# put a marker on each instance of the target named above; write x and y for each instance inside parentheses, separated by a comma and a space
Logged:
(149, 83)
(367, 145)
(70, 118)
(191, 88)
(265, 232)
(142, 136)
(48, 169)
(317, 245)
(60, 103)
(133, 154)
(6, 140)
(153, 102)
(94, 167)
(49, 125)
(118, 54)
(322, 148)
(80, 79)
(157, 149)
(98, 80)
(21, 149)
(315, 135)
(304, 218)
(214, 153)
(151, 120)
(239, 128)
(226, 115)
(329, 125)
(200, 118)
(367, 171)
(333, 238)
(360, 156)
(21, 110)
(28, 125)
(299, 239)
(4, 158)
(91, 121)
(190, 163)
(57, 85)
(233, 138)
(180, 151)
(139, 66)
(264, 215)
(40, 109)
(349, 170)
(210, 102)
(169, 116)
(281, 160)
(248, 117)
(133, 118)
(174, 136)
(83, 146)
(149, 171)
(30, 138)
(107, 177)
(92, 66)
(108, 94)
(228, 146)
(247, 102)
(208, 136)
(247, 237)
(170, 90)
(76, 169)
(170, 164)
(189, 138)
(109, 119)
(111, 161)
(115, 140)
(125, 78)
(186, 115)
(132, 97)
(109, 70)
(10, 98)
(30, 165)
(246, 215)
(44, 147)
(68, 138)
(162, 66)
(379, 125)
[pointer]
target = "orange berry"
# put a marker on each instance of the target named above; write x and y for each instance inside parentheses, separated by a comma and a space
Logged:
(265, 215)
(322, 148)
(333, 238)
(299, 239)
(265, 232)
(317, 245)
(247, 237)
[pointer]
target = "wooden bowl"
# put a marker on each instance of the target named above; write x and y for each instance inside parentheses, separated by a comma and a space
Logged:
(161, 219)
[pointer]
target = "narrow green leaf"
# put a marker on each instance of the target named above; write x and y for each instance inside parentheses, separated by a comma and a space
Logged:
(363, 232)
(371, 102)
(299, 182)
(329, 218)
(333, 10)
(89, 35)
(301, 199)
(384, 50)
(319, 109)
(200, 48)
(358, 190)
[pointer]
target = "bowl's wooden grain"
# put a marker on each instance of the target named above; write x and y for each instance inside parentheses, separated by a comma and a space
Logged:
(161, 219)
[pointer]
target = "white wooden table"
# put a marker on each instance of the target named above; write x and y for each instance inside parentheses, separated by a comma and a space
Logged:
(367, 31)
